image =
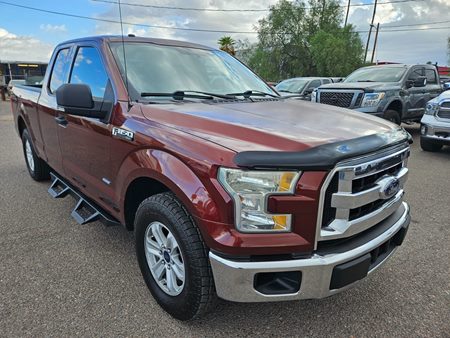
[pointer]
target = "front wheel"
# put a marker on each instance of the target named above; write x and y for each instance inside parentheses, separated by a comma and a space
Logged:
(428, 145)
(393, 116)
(172, 257)
(37, 168)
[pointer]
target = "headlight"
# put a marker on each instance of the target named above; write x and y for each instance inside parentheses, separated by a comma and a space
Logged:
(431, 108)
(372, 99)
(314, 95)
(250, 191)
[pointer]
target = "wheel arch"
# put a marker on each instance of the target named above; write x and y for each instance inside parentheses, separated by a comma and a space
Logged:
(396, 105)
(21, 125)
(156, 171)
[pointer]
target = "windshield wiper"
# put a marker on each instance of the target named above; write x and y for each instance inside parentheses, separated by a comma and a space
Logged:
(365, 81)
(285, 91)
(181, 94)
(249, 93)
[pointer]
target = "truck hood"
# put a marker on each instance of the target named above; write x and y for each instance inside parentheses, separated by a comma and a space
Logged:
(366, 86)
(281, 125)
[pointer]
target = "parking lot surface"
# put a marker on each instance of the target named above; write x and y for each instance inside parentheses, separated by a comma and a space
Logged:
(58, 278)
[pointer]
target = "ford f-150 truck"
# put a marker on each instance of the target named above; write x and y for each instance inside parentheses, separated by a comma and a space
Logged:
(230, 189)
(396, 92)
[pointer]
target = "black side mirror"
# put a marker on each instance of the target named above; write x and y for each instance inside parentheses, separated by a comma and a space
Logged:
(308, 91)
(76, 99)
(421, 81)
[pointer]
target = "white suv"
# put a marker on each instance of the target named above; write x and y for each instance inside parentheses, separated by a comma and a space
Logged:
(435, 123)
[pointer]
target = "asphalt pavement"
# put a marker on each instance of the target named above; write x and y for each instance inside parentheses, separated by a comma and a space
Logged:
(58, 278)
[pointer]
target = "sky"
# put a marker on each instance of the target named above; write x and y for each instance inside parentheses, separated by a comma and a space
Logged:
(29, 35)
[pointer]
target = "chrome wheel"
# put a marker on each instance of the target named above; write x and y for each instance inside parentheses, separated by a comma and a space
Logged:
(29, 155)
(164, 258)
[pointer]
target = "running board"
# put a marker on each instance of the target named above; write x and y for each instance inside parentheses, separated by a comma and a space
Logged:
(84, 211)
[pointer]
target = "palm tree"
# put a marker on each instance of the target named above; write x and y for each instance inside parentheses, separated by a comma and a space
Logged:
(226, 43)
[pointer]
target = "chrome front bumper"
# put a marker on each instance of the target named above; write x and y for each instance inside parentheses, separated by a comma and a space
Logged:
(436, 126)
(234, 280)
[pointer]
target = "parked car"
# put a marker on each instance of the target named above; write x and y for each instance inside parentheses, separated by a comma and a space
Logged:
(435, 123)
(302, 86)
(395, 92)
(445, 82)
(230, 189)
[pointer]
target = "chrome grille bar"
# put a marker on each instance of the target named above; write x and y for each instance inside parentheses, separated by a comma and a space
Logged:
(376, 198)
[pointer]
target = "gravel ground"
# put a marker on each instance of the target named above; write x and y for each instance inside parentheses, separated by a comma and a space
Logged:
(58, 278)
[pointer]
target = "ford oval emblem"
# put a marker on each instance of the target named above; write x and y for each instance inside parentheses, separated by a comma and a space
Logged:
(343, 149)
(389, 186)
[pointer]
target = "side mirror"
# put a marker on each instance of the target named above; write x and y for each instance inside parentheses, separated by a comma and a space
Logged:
(421, 81)
(76, 99)
(308, 91)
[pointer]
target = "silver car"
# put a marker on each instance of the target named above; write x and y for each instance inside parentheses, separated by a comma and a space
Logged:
(435, 123)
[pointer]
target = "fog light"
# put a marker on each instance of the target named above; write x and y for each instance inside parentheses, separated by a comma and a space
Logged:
(423, 129)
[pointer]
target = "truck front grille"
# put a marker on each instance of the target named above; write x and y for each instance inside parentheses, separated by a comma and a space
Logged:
(343, 99)
(361, 193)
(444, 110)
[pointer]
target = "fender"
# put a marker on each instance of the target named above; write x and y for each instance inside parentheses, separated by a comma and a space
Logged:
(179, 178)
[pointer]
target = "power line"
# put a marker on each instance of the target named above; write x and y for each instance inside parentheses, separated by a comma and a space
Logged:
(416, 24)
(234, 9)
(189, 29)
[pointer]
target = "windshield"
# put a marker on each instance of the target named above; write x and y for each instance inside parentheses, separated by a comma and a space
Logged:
(292, 85)
(155, 68)
(376, 74)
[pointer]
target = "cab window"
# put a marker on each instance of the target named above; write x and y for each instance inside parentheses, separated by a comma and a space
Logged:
(88, 69)
(314, 84)
(415, 73)
(431, 76)
(59, 71)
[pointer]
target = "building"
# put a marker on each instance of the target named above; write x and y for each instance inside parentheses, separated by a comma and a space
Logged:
(32, 72)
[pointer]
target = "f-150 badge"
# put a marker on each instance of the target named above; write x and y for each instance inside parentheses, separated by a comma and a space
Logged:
(123, 133)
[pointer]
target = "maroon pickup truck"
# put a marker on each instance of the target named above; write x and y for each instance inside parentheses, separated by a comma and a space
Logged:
(230, 189)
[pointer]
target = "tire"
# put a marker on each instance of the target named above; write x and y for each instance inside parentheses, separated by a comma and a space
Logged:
(428, 145)
(189, 298)
(37, 168)
(393, 116)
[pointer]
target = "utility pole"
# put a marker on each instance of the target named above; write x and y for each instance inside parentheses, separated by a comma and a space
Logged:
(346, 15)
(370, 29)
(375, 42)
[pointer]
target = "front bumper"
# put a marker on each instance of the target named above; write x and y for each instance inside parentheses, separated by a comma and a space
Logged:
(437, 130)
(322, 275)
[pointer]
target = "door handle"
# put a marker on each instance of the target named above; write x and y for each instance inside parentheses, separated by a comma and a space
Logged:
(61, 120)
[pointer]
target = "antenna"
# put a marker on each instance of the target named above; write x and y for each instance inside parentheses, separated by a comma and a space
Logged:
(124, 54)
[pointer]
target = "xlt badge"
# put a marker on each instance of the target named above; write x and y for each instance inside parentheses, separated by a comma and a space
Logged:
(123, 133)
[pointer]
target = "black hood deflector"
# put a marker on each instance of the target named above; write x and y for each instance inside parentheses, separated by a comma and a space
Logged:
(323, 157)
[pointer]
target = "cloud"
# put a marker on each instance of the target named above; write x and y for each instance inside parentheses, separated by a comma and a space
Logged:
(53, 28)
(408, 47)
(413, 46)
(23, 48)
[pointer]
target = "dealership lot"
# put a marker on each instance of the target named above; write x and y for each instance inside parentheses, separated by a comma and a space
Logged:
(62, 279)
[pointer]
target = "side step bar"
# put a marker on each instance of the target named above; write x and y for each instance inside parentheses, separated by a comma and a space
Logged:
(84, 211)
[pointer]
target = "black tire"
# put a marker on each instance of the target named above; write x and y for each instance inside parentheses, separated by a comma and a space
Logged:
(428, 145)
(38, 169)
(198, 294)
(393, 116)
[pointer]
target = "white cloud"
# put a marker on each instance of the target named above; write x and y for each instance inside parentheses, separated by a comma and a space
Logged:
(53, 28)
(23, 48)
(408, 47)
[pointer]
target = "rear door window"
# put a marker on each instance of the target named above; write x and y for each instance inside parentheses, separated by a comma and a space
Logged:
(59, 71)
(88, 69)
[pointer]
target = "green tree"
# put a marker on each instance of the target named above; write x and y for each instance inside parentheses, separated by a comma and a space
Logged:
(336, 54)
(305, 39)
(226, 43)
